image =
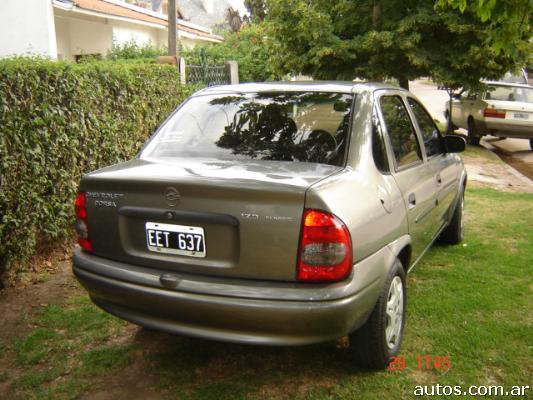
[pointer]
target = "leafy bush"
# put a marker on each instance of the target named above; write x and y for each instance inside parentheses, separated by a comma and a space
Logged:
(61, 120)
(131, 50)
(249, 48)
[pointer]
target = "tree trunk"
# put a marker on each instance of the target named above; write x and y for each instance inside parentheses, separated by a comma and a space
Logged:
(404, 82)
(376, 14)
(449, 127)
(172, 27)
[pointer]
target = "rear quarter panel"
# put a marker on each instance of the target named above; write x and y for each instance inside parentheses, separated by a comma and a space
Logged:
(355, 196)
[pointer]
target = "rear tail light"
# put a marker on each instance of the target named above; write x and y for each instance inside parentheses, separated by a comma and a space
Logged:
(325, 252)
(80, 210)
(493, 113)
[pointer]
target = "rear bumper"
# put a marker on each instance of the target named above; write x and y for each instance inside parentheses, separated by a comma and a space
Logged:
(260, 319)
(503, 128)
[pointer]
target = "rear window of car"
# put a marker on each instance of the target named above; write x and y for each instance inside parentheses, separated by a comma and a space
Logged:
(286, 126)
(509, 93)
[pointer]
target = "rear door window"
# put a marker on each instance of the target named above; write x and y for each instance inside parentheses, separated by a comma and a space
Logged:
(428, 129)
(401, 132)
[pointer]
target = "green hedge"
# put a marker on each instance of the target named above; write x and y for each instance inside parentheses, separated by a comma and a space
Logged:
(60, 120)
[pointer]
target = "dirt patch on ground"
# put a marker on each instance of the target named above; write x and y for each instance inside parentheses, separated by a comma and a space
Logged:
(17, 303)
(521, 166)
(492, 172)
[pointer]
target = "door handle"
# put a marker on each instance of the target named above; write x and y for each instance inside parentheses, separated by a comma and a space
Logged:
(439, 179)
(412, 200)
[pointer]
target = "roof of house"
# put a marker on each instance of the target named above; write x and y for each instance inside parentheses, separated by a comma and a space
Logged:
(120, 9)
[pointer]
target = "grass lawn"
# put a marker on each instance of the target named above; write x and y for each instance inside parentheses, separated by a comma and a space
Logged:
(472, 303)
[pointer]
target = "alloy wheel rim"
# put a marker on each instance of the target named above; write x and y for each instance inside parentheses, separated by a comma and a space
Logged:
(394, 313)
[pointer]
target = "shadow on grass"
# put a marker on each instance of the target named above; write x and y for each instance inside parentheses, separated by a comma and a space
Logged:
(201, 369)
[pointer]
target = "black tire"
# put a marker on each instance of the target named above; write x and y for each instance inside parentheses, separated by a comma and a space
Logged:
(454, 232)
(473, 135)
(369, 344)
(531, 144)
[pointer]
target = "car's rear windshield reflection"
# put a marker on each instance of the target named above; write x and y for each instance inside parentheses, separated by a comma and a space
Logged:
(289, 126)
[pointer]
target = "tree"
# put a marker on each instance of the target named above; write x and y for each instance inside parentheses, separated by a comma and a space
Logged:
(510, 20)
(257, 9)
(172, 27)
(233, 19)
(378, 39)
(248, 47)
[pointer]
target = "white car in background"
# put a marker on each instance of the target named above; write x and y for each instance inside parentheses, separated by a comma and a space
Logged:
(504, 110)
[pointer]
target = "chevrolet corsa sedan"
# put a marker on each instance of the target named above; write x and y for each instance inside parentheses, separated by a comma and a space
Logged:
(274, 214)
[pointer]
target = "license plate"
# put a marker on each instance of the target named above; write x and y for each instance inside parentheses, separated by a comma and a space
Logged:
(521, 115)
(175, 239)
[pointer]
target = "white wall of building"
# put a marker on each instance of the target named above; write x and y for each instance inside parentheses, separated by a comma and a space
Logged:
(35, 27)
(27, 27)
(62, 25)
(124, 32)
(90, 37)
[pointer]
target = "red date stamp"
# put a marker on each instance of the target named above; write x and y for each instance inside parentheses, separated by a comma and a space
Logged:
(425, 362)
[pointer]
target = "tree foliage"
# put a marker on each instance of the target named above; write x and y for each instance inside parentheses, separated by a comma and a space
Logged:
(510, 20)
(248, 47)
(257, 9)
(371, 39)
(233, 19)
(131, 50)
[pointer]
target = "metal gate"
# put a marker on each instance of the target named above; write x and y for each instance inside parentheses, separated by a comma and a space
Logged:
(207, 75)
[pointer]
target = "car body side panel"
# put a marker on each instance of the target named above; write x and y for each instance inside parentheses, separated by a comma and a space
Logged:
(372, 226)
(417, 185)
(448, 167)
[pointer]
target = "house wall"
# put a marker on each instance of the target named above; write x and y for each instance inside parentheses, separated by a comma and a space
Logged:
(124, 32)
(188, 41)
(27, 27)
(90, 37)
(63, 37)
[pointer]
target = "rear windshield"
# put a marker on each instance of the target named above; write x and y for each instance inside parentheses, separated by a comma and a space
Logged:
(290, 126)
(510, 93)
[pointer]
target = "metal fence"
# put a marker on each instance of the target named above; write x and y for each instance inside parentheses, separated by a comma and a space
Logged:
(208, 75)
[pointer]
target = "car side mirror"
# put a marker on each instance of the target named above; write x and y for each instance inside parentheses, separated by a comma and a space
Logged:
(454, 143)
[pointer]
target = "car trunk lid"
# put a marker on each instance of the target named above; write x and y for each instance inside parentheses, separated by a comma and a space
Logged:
(236, 219)
(514, 110)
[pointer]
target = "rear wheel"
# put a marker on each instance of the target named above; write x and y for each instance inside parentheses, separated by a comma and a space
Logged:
(473, 135)
(380, 337)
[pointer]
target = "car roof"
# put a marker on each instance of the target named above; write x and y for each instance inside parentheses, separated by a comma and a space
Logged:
(297, 86)
(507, 84)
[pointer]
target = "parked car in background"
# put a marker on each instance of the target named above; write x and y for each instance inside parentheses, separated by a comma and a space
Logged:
(503, 109)
(274, 214)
